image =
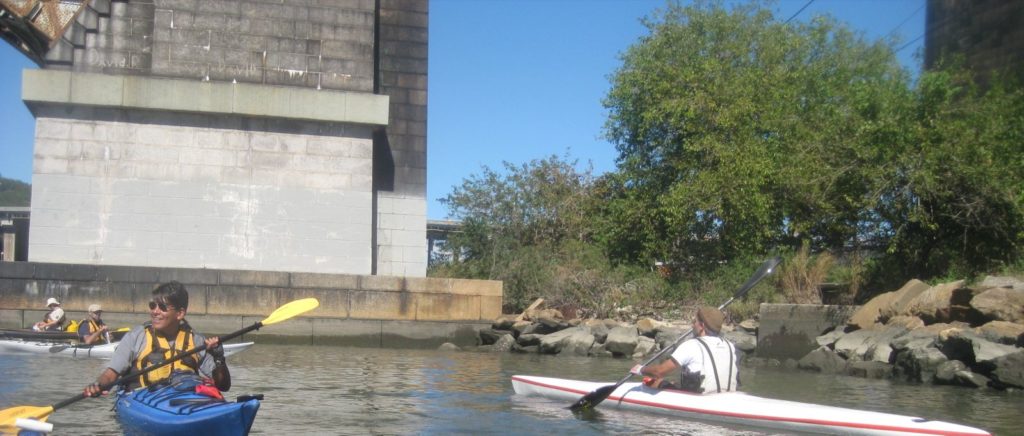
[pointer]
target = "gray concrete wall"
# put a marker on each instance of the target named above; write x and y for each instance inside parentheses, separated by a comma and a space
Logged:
(120, 185)
(354, 309)
(789, 330)
(266, 135)
(401, 151)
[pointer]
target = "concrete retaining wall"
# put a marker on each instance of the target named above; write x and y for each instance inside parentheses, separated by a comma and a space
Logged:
(789, 330)
(354, 309)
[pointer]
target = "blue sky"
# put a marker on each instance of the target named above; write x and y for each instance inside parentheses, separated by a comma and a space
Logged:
(514, 80)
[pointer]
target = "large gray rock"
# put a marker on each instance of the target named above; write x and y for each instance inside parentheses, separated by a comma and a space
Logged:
(955, 372)
(551, 318)
(504, 322)
(529, 339)
(537, 328)
(749, 325)
(668, 335)
(906, 321)
(872, 344)
(621, 341)
(823, 360)
(936, 304)
(1001, 304)
(504, 344)
(1009, 371)
(871, 312)
(448, 346)
(1001, 332)
(829, 339)
(520, 326)
(574, 340)
(744, 341)
(918, 363)
(644, 346)
(598, 328)
(1002, 282)
(490, 336)
(649, 327)
(899, 302)
(971, 348)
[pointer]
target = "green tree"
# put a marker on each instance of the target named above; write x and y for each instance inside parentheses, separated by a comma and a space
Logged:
(955, 203)
(15, 193)
(738, 133)
(513, 221)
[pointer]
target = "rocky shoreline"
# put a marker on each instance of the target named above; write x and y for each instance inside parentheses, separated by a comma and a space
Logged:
(946, 334)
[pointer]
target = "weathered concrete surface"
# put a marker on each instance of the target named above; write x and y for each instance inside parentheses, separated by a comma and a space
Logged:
(354, 310)
(789, 330)
(235, 135)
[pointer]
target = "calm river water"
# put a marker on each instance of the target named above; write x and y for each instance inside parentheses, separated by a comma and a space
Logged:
(359, 391)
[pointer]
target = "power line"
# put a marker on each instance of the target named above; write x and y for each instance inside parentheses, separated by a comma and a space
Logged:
(908, 44)
(923, 4)
(798, 12)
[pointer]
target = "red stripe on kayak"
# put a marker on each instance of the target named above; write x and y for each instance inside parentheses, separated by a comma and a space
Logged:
(758, 417)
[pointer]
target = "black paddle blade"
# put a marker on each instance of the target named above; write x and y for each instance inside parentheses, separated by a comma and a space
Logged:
(591, 400)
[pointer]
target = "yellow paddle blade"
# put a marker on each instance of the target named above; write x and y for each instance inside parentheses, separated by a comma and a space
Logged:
(9, 416)
(289, 310)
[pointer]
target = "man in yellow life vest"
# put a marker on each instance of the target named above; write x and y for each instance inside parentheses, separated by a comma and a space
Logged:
(165, 336)
(92, 329)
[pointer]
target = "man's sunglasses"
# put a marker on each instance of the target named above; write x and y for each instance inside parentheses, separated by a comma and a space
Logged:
(163, 306)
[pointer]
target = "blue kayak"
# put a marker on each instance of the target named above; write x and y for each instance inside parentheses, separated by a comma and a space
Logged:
(176, 409)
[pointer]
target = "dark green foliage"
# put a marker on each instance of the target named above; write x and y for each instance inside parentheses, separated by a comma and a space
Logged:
(15, 193)
(740, 136)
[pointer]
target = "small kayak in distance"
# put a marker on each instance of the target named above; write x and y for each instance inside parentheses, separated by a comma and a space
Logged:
(102, 351)
(742, 409)
(29, 334)
(176, 409)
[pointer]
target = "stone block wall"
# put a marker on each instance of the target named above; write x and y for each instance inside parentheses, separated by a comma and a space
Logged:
(123, 185)
(257, 134)
(401, 151)
(321, 45)
(354, 309)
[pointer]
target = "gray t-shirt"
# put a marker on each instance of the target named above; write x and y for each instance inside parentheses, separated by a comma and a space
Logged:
(131, 345)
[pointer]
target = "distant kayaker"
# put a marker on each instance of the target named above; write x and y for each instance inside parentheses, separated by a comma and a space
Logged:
(92, 329)
(53, 320)
(707, 363)
(166, 335)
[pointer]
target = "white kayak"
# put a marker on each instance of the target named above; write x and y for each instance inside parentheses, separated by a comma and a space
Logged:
(102, 351)
(742, 409)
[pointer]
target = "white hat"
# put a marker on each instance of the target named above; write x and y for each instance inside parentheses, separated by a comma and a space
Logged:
(95, 308)
(51, 301)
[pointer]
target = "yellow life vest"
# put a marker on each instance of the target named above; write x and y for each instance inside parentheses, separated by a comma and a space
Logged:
(157, 350)
(73, 326)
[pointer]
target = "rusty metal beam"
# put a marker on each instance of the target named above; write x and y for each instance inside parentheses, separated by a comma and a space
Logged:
(35, 26)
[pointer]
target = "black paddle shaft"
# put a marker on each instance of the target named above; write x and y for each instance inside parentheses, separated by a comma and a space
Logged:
(600, 394)
(147, 370)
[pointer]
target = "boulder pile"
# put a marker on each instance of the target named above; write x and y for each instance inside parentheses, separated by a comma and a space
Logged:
(945, 334)
(546, 331)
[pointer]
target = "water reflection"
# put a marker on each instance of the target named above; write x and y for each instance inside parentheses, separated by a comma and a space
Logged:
(353, 391)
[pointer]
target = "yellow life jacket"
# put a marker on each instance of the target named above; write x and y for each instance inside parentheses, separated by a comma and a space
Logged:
(157, 350)
(73, 326)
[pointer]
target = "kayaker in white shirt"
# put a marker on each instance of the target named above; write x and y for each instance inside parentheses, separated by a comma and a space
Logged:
(54, 319)
(707, 363)
(166, 335)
